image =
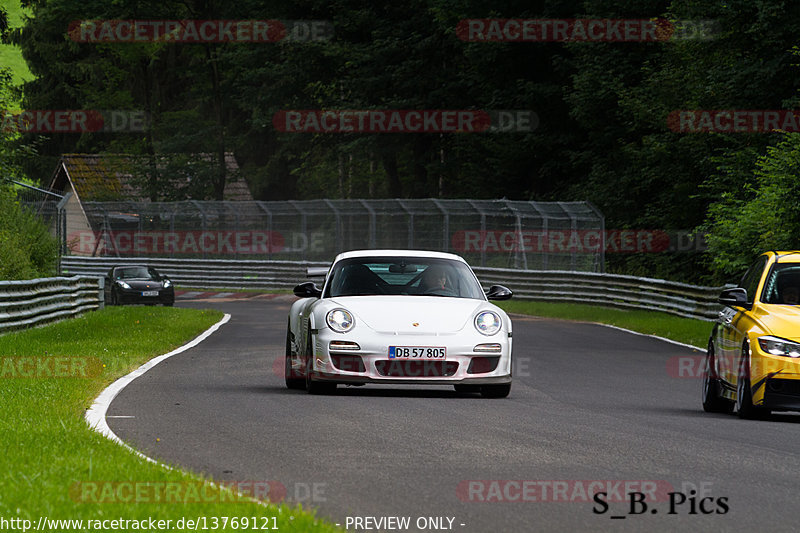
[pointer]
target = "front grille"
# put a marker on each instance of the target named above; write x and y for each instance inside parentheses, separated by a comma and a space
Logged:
(416, 369)
(348, 362)
(482, 365)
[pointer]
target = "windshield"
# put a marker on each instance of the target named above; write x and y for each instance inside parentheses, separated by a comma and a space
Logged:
(415, 276)
(783, 285)
(135, 272)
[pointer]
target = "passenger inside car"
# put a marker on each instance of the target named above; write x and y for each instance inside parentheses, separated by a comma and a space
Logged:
(790, 295)
(357, 279)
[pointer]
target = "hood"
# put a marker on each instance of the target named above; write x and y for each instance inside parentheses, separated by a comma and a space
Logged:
(780, 320)
(398, 314)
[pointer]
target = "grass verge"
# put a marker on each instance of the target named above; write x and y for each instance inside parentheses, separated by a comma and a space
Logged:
(54, 466)
(686, 330)
(10, 54)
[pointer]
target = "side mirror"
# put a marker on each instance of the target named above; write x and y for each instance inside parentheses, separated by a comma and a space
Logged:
(308, 289)
(498, 292)
(733, 297)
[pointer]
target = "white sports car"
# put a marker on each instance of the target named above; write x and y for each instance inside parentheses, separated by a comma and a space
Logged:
(399, 316)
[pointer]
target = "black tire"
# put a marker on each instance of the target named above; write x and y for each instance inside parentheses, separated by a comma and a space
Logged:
(712, 401)
(114, 298)
(467, 388)
(169, 304)
(293, 381)
(744, 395)
(496, 391)
(313, 386)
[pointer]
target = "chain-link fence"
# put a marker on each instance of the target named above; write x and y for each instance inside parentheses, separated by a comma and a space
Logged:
(48, 205)
(499, 233)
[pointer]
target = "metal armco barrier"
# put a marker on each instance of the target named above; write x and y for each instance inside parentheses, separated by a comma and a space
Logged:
(39, 301)
(610, 290)
(203, 273)
(624, 292)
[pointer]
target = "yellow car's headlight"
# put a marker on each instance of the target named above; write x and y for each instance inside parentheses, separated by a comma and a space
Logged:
(778, 346)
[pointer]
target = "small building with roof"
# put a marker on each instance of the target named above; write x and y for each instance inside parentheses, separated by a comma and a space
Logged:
(110, 178)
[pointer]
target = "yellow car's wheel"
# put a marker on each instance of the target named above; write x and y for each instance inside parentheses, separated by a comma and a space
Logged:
(744, 394)
(712, 402)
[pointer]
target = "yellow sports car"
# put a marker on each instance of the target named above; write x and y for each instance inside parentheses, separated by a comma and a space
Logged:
(753, 358)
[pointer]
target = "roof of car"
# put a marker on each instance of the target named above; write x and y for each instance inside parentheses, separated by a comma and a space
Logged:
(792, 256)
(398, 253)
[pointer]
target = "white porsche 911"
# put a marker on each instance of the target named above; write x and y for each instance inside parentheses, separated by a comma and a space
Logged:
(399, 316)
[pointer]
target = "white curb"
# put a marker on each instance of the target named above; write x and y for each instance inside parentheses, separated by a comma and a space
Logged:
(96, 414)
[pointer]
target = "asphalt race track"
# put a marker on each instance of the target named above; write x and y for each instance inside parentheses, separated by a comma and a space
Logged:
(588, 404)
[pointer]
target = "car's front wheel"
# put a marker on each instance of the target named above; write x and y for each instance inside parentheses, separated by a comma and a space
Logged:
(744, 394)
(293, 381)
(712, 402)
(313, 386)
(496, 391)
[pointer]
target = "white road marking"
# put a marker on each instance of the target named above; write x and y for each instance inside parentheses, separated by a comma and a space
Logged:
(96, 414)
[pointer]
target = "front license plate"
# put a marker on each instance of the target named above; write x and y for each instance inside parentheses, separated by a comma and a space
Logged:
(418, 352)
(149, 293)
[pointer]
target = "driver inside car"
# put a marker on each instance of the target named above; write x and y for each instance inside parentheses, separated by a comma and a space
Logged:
(433, 279)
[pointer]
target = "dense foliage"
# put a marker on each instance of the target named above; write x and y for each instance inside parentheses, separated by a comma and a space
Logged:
(27, 249)
(603, 133)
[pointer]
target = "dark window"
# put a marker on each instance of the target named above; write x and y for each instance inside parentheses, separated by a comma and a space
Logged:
(782, 285)
(413, 276)
(751, 278)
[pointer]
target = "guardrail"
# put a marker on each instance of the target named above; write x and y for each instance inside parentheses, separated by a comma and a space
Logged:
(203, 273)
(39, 301)
(624, 292)
(610, 290)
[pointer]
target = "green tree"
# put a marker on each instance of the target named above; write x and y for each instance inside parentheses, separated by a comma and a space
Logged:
(766, 219)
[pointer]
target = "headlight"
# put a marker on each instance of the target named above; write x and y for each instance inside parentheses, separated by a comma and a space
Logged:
(123, 284)
(488, 322)
(777, 346)
(167, 283)
(340, 320)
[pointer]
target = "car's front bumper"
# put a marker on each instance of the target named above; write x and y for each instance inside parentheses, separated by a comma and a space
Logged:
(371, 362)
(133, 296)
(775, 380)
